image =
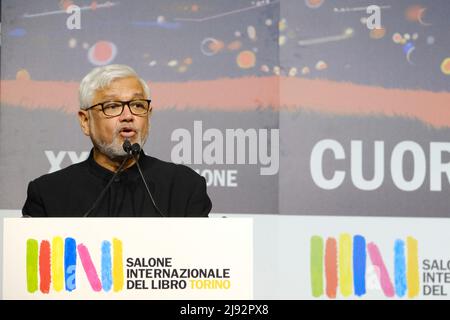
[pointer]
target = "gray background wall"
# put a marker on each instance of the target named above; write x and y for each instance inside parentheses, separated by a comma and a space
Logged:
(316, 72)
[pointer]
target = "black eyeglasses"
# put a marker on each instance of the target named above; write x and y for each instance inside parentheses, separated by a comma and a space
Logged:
(137, 107)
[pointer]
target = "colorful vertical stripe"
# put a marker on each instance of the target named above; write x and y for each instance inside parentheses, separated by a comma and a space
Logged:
(106, 266)
(70, 263)
(117, 268)
(32, 265)
(44, 266)
(399, 268)
(58, 263)
(331, 266)
(89, 268)
(413, 267)
(377, 261)
(359, 265)
(316, 266)
(345, 264)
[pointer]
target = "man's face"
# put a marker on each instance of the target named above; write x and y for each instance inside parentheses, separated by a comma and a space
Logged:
(109, 133)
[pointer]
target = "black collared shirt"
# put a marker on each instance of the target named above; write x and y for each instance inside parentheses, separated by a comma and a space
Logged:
(178, 191)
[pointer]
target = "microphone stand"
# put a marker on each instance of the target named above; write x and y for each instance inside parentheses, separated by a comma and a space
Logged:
(127, 148)
(135, 149)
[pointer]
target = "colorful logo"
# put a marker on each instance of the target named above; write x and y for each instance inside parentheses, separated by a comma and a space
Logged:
(346, 267)
(56, 265)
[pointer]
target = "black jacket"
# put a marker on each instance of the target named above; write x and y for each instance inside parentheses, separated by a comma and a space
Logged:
(178, 191)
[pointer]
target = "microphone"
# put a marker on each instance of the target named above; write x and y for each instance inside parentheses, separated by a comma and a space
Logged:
(126, 147)
(134, 150)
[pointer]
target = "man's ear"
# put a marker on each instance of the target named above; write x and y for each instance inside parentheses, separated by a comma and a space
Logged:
(83, 117)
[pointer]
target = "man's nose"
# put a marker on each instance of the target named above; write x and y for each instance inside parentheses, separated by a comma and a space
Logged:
(126, 114)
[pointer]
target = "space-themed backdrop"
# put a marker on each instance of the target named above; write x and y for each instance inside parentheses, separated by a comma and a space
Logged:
(298, 107)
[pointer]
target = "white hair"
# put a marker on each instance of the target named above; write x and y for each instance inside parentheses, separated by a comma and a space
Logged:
(101, 77)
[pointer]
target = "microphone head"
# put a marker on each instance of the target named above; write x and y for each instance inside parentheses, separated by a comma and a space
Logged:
(135, 148)
(127, 146)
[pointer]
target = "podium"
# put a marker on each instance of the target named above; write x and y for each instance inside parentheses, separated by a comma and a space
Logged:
(128, 258)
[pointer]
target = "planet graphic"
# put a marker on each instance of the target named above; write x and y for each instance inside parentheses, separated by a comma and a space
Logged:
(246, 59)
(377, 33)
(211, 46)
(102, 53)
(313, 4)
(23, 75)
(445, 66)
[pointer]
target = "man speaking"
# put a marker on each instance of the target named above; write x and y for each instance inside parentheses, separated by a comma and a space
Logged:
(117, 179)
